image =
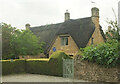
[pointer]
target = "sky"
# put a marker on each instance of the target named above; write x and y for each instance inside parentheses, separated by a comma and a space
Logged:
(42, 12)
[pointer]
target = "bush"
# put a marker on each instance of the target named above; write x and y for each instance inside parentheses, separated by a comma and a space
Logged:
(105, 54)
(53, 66)
(37, 67)
(55, 63)
(23, 66)
(58, 55)
(13, 67)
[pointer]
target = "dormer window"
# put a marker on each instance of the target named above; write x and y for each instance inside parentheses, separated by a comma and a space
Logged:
(64, 41)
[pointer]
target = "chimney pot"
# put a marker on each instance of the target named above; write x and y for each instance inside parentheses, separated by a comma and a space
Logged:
(95, 12)
(67, 15)
(27, 26)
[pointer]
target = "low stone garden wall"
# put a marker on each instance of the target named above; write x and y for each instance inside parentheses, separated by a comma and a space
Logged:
(92, 72)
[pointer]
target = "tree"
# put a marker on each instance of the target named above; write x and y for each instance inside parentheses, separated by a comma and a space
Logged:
(19, 42)
(113, 31)
(26, 43)
(7, 33)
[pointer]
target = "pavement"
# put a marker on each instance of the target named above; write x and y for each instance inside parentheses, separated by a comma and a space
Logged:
(36, 78)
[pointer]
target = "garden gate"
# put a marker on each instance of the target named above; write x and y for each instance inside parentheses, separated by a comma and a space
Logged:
(68, 68)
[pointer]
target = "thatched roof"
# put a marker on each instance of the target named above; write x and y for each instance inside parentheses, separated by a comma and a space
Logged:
(80, 29)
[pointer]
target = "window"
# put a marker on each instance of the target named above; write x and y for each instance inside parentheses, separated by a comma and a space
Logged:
(64, 41)
(92, 41)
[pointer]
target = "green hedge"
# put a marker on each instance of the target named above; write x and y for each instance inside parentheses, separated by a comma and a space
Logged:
(56, 63)
(37, 67)
(11, 67)
(51, 67)
(43, 67)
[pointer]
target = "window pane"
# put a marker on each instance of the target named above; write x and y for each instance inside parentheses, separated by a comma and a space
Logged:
(62, 40)
(66, 41)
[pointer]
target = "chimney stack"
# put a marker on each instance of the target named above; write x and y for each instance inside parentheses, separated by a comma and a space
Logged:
(95, 12)
(95, 16)
(27, 26)
(97, 36)
(67, 15)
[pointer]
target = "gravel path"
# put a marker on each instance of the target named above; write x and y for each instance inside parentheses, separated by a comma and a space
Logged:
(36, 78)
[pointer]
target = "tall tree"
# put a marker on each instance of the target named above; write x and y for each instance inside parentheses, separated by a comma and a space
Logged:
(19, 42)
(113, 31)
(26, 43)
(7, 33)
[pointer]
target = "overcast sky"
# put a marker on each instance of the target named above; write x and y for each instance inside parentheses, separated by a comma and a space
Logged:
(42, 12)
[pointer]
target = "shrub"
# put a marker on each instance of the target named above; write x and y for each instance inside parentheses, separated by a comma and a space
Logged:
(55, 62)
(13, 67)
(37, 67)
(59, 55)
(105, 54)
(53, 66)
(23, 66)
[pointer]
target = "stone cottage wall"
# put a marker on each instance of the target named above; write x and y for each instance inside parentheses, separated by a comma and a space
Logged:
(70, 49)
(92, 72)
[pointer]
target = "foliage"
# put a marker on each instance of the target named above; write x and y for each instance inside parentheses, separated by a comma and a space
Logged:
(55, 60)
(53, 66)
(37, 67)
(105, 54)
(7, 33)
(24, 66)
(113, 31)
(26, 43)
(19, 42)
(59, 55)
(41, 59)
(12, 67)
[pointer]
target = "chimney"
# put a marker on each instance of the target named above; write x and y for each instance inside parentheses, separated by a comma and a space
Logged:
(67, 15)
(95, 12)
(95, 17)
(27, 26)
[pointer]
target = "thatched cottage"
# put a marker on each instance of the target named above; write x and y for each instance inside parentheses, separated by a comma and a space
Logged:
(70, 35)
